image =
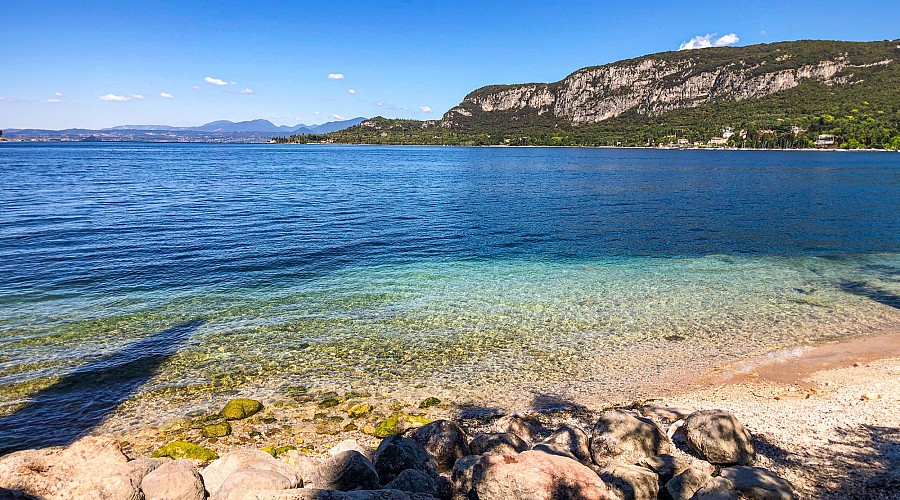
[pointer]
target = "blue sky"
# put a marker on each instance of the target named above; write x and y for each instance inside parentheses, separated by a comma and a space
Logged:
(98, 64)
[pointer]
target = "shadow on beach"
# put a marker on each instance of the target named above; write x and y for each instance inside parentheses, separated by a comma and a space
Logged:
(73, 406)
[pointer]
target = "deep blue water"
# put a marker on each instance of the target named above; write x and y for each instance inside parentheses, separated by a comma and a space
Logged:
(275, 250)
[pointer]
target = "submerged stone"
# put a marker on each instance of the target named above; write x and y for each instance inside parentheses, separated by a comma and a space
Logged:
(183, 449)
(217, 430)
(429, 402)
(241, 408)
(360, 410)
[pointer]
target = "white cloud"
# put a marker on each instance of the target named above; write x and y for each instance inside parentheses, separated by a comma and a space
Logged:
(338, 117)
(53, 99)
(137, 96)
(351, 91)
(233, 83)
(425, 109)
(215, 81)
(114, 98)
(335, 76)
(316, 113)
(379, 103)
(706, 41)
(246, 91)
(166, 95)
(196, 87)
(58, 94)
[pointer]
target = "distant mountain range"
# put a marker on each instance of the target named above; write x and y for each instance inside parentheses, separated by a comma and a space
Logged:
(217, 131)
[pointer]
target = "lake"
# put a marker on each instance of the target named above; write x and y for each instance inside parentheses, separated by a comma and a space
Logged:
(179, 274)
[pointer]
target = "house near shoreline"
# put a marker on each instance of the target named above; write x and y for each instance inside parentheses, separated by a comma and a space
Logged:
(718, 141)
(824, 140)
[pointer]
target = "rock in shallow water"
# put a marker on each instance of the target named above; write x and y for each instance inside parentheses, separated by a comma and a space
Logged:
(622, 436)
(240, 408)
(718, 437)
(177, 450)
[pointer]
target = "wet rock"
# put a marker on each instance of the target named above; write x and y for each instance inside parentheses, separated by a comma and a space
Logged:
(528, 430)
(686, 483)
(757, 483)
(216, 430)
(345, 471)
(630, 482)
(500, 443)
(429, 402)
(569, 441)
(536, 476)
(445, 441)
(360, 411)
(395, 424)
(177, 450)
(175, 480)
(218, 471)
(461, 477)
(240, 408)
(718, 437)
(51, 472)
(395, 454)
(244, 481)
(621, 436)
(352, 444)
(414, 481)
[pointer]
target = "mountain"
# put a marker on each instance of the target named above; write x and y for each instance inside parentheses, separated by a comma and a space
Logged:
(217, 131)
(780, 95)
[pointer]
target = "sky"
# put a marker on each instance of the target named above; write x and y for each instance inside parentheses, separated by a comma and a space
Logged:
(101, 63)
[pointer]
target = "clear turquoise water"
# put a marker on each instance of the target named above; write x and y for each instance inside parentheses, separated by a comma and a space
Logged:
(209, 270)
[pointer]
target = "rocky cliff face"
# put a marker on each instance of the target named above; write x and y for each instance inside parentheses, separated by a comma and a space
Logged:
(656, 84)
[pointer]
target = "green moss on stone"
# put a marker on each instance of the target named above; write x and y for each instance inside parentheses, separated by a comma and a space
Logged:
(390, 426)
(182, 449)
(239, 408)
(360, 411)
(329, 403)
(217, 430)
(429, 402)
(275, 451)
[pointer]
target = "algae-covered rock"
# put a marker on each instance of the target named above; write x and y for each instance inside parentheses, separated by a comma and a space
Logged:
(275, 451)
(390, 426)
(416, 421)
(429, 402)
(239, 408)
(182, 449)
(360, 410)
(330, 402)
(217, 430)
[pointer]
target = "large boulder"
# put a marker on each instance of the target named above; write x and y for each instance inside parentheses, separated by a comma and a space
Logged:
(122, 482)
(500, 443)
(445, 441)
(622, 436)
(175, 480)
(569, 441)
(244, 481)
(215, 474)
(315, 494)
(55, 472)
(685, 484)
(533, 475)
(240, 408)
(414, 481)
(345, 471)
(396, 454)
(718, 437)
(352, 444)
(668, 466)
(756, 483)
(630, 482)
(529, 430)
(461, 477)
